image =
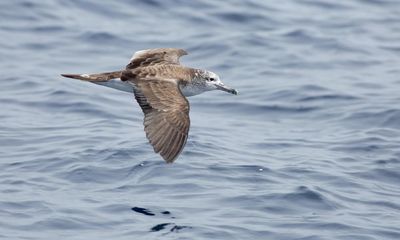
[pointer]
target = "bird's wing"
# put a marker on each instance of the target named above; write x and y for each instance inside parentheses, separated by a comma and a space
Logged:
(166, 115)
(157, 56)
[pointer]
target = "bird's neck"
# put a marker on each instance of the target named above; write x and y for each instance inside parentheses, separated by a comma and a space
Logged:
(189, 89)
(194, 85)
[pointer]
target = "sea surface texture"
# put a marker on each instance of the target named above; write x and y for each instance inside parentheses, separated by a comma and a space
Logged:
(308, 150)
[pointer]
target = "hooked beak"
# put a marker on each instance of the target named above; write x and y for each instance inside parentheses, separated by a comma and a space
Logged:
(224, 88)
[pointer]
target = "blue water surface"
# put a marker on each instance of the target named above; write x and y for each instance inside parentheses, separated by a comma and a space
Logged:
(309, 149)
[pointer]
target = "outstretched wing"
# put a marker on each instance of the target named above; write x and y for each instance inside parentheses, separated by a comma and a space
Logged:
(166, 115)
(155, 56)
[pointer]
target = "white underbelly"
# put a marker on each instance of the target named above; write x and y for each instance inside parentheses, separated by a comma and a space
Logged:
(191, 90)
(125, 86)
(117, 84)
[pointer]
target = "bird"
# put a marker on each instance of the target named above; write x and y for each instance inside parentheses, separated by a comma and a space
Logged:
(160, 85)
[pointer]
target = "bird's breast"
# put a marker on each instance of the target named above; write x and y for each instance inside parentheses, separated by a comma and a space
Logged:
(191, 90)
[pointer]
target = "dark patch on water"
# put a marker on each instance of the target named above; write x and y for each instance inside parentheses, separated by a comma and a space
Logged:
(172, 227)
(143, 211)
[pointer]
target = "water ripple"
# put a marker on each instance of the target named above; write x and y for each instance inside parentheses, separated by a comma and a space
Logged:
(309, 149)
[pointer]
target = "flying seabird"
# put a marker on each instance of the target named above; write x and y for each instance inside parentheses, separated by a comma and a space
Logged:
(160, 85)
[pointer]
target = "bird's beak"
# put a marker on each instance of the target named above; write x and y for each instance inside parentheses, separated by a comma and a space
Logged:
(224, 88)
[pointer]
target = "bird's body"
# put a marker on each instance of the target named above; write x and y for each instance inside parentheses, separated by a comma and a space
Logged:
(161, 85)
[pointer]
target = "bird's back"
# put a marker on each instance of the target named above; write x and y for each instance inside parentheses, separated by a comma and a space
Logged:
(165, 71)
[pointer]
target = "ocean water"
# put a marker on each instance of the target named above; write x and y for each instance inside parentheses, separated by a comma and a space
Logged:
(309, 149)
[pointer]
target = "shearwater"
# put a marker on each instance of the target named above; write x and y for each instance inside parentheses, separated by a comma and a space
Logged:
(161, 85)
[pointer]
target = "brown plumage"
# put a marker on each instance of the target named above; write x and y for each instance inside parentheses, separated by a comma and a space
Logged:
(166, 116)
(166, 110)
(159, 83)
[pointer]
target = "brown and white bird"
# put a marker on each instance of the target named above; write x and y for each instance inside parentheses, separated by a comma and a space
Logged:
(161, 85)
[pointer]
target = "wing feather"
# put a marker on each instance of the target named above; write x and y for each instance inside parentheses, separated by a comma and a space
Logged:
(157, 56)
(166, 121)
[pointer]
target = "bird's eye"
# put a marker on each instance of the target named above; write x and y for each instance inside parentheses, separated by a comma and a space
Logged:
(212, 79)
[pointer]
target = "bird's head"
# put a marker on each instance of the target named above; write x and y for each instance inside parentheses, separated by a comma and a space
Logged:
(211, 81)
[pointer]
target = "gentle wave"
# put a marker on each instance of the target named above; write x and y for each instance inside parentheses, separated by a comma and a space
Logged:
(309, 149)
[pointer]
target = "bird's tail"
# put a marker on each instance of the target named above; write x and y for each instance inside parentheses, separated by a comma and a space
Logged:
(95, 77)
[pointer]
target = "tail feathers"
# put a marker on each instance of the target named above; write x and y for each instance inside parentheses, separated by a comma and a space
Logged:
(96, 77)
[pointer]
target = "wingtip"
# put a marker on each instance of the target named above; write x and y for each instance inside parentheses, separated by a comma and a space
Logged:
(69, 75)
(170, 159)
(169, 162)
